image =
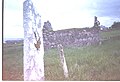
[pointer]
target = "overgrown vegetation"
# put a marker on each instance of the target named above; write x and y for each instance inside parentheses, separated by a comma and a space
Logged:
(87, 63)
(110, 34)
(98, 62)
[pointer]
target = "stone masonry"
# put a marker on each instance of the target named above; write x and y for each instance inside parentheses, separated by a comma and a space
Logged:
(75, 37)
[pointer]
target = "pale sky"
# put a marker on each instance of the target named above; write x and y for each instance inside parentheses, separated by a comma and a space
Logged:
(62, 14)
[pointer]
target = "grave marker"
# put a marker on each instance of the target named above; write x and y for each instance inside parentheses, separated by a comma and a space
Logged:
(63, 61)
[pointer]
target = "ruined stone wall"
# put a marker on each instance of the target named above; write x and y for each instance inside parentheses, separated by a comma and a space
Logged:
(75, 37)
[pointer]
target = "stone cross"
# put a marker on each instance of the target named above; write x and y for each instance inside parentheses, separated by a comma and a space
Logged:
(63, 61)
(33, 43)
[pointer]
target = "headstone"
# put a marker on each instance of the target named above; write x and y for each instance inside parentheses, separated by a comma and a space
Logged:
(33, 44)
(63, 61)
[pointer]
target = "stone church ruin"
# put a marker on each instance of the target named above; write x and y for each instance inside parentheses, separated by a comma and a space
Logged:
(75, 37)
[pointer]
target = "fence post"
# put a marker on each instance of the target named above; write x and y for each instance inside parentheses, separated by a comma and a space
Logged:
(63, 61)
(33, 44)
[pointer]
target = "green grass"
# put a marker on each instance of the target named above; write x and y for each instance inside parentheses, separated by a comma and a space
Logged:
(111, 33)
(101, 62)
(12, 62)
(88, 63)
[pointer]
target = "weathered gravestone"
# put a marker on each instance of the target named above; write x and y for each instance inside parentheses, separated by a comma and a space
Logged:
(62, 59)
(33, 43)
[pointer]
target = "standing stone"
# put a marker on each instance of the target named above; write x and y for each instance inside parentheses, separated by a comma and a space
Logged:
(33, 44)
(63, 61)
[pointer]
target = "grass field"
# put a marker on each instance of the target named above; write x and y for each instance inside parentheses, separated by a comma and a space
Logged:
(98, 62)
